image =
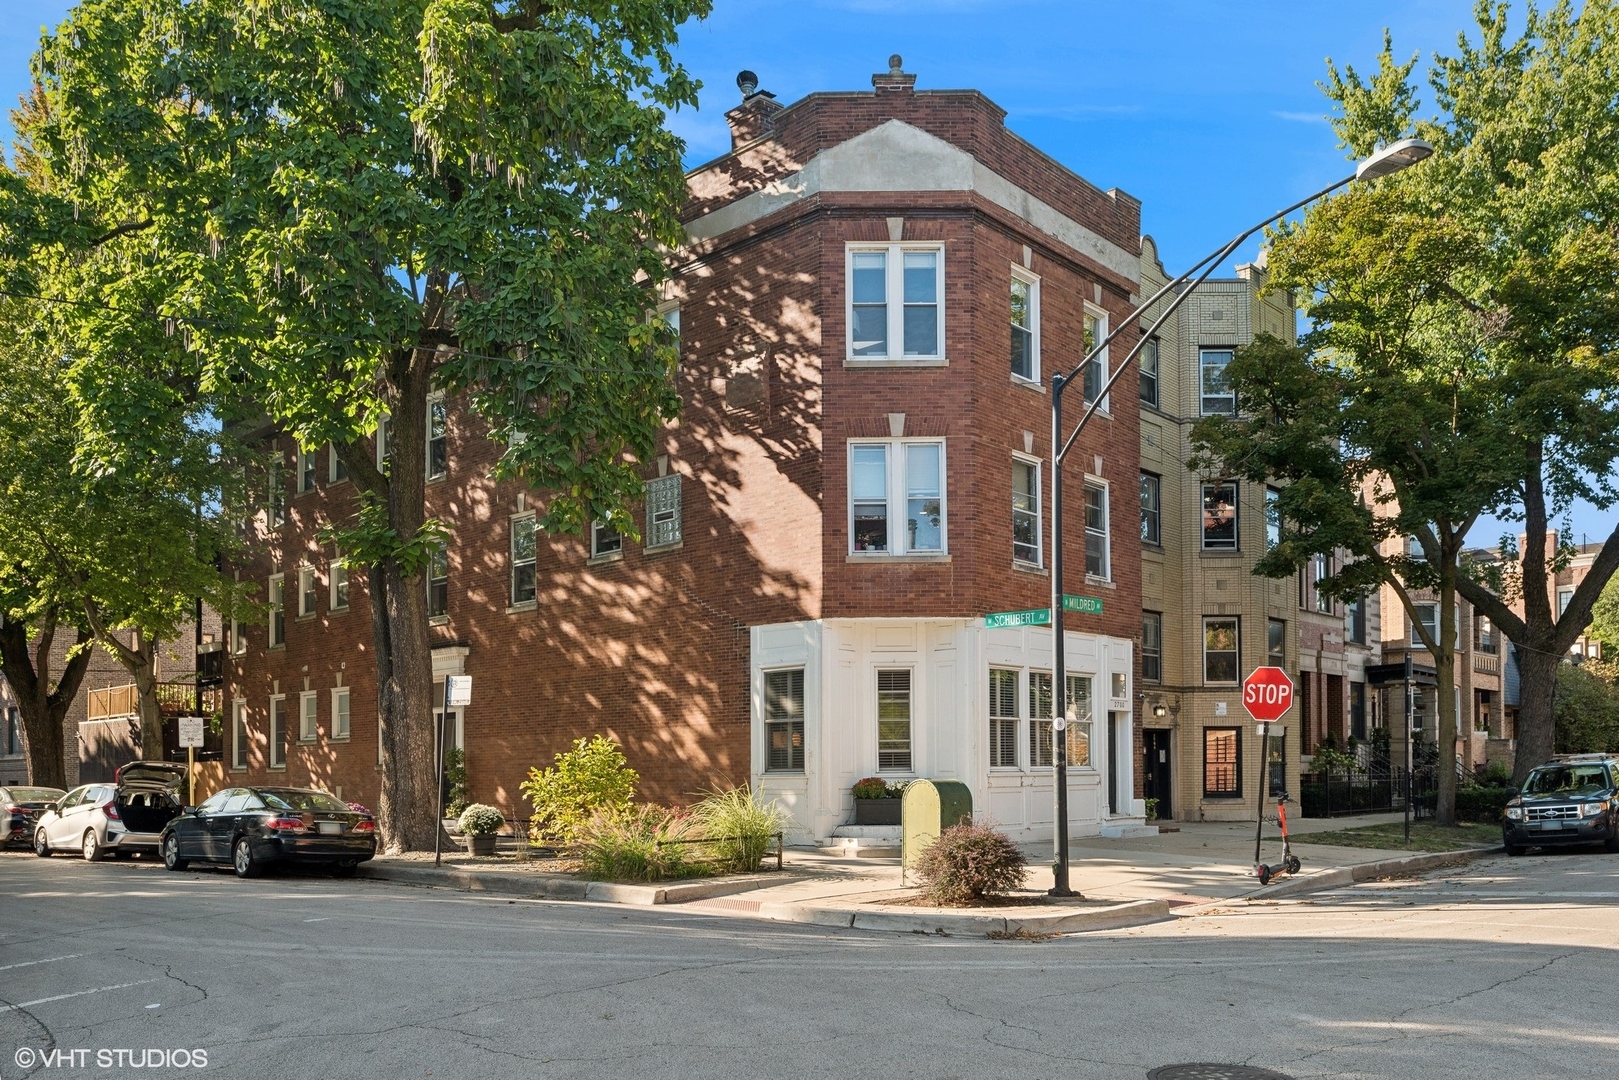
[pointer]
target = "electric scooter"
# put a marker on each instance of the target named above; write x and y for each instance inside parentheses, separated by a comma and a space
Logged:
(1290, 862)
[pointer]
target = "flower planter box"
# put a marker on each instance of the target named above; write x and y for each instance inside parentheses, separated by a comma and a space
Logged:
(481, 844)
(877, 811)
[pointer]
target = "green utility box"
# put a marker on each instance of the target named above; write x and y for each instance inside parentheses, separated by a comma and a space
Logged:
(928, 808)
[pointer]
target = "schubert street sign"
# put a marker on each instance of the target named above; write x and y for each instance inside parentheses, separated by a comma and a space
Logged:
(1039, 616)
(1267, 693)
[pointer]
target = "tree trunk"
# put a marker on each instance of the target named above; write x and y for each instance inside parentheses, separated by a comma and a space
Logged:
(1537, 693)
(43, 707)
(1445, 673)
(151, 712)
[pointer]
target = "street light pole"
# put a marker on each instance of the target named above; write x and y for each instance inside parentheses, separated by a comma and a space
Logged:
(1390, 159)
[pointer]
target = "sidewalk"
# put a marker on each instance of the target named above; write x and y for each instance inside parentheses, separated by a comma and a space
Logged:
(1124, 882)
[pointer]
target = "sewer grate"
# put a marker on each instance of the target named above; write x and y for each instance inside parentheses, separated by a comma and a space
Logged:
(1204, 1070)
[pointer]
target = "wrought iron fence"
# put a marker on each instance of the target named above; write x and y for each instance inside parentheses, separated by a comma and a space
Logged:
(1372, 790)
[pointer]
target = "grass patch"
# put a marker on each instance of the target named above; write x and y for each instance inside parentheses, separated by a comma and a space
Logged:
(1425, 836)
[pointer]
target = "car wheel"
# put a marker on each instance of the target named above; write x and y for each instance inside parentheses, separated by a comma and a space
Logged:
(42, 844)
(345, 869)
(243, 860)
(171, 853)
(91, 846)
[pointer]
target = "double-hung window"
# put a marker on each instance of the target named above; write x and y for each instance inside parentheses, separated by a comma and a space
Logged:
(278, 732)
(525, 549)
(1097, 560)
(306, 591)
(1322, 569)
(238, 736)
(1003, 718)
(1565, 596)
(663, 512)
(276, 507)
(1428, 617)
(1151, 508)
(896, 497)
(896, 302)
(1220, 650)
(438, 446)
(1026, 532)
(1220, 516)
(605, 541)
(238, 636)
(306, 470)
(1095, 373)
(1152, 646)
(1273, 518)
(1025, 326)
(1222, 763)
(278, 610)
(1041, 755)
(308, 716)
(438, 583)
(1357, 620)
(1147, 363)
(340, 583)
(340, 713)
(894, 720)
(1276, 644)
(784, 720)
(1218, 395)
(384, 442)
(336, 471)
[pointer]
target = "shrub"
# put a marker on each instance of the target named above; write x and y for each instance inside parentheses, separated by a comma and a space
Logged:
(739, 827)
(875, 787)
(1485, 804)
(591, 777)
(1496, 774)
(481, 820)
(622, 844)
(1152, 809)
(969, 862)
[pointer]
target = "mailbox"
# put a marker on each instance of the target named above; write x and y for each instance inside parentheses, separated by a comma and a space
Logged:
(927, 808)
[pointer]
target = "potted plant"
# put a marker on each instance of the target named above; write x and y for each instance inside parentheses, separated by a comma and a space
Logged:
(876, 801)
(479, 824)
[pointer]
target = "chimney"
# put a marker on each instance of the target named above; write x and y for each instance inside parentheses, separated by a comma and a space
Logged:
(895, 81)
(756, 116)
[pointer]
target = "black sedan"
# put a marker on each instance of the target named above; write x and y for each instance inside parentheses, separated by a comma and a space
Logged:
(249, 828)
(20, 807)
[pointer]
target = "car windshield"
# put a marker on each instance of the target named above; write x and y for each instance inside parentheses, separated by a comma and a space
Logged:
(36, 794)
(1566, 780)
(301, 800)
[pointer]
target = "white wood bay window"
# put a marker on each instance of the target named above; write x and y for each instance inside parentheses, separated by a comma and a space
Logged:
(896, 303)
(896, 497)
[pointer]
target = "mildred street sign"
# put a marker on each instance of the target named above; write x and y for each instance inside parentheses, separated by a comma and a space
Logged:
(1267, 693)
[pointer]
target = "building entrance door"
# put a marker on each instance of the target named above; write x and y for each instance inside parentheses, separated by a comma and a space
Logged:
(1156, 750)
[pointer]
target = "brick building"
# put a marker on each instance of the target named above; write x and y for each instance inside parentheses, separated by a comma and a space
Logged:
(875, 289)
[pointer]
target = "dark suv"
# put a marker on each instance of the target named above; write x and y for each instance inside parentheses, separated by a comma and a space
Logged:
(1572, 799)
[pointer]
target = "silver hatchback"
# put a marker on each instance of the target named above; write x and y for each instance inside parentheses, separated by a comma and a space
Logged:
(118, 818)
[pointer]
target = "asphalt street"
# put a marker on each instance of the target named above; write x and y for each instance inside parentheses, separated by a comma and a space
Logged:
(1503, 969)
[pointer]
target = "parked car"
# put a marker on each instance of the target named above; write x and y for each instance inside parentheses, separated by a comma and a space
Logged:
(18, 808)
(120, 818)
(1572, 799)
(249, 828)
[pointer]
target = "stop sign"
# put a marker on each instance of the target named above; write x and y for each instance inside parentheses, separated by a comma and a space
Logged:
(1267, 693)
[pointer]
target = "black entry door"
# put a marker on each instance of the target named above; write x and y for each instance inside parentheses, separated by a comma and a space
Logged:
(1156, 749)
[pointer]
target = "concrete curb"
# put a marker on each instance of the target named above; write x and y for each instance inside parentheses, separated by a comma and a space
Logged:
(872, 917)
(1338, 877)
(550, 887)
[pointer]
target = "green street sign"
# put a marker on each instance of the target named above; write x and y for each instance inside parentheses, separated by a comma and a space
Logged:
(1039, 616)
(1089, 605)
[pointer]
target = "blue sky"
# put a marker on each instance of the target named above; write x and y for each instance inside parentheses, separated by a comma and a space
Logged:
(1206, 110)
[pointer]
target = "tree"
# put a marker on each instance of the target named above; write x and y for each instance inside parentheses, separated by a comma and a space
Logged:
(1527, 167)
(1586, 709)
(347, 204)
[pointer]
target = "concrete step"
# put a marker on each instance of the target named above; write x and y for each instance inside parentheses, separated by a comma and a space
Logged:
(1126, 830)
(854, 847)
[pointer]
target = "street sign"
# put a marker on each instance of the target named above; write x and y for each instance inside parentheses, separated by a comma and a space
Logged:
(457, 691)
(1267, 693)
(1039, 616)
(191, 730)
(1088, 605)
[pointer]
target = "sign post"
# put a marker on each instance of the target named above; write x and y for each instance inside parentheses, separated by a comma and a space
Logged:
(1267, 693)
(457, 694)
(191, 735)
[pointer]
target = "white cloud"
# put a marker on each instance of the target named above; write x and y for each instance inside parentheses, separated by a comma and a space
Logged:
(1300, 117)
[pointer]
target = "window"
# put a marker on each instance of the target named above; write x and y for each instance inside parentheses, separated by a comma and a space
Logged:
(1428, 616)
(438, 583)
(308, 717)
(1152, 646)
(306, 470)
(340, 713)
(438, 446)
(525, 548)
(1357, 621)
(1321, 569)
(897, 479)
(384, 442)
(277, 495)
(1220, 516)
(1220, 650)
(339, 575)
(663, 511)
(11, 742)
(1218, 396)
(1096, 535)
(1078, 710)
(238, 736)
(238, 636)
(1095, 373)
(1025, 326)
(306, 590)
(1003, 718)
(336, 471)
(1484, 634)
(1413, 549)
(278, 613)
(670, 315)
(784, 720)
(1041, 754)
(1357, 710)
(1151, 492)
(1276, 644)
(1147, 362)
(1222, 763)
(1273, 518)
(894, 721)
(876, 323)
(278, 732)
(1026, 534)
(605, 541)
(1564, 597)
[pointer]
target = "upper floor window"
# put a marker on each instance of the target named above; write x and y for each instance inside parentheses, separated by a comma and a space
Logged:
(1413, 549)
(1428, 618)
(1273, 518)
(277, 504)
(438, 583)
(306, 590)
(1151, 493)
(278, 613)
(11, 742)
(1322, 569)
(1147, 363)
(1025, 326)
(1097, 562)
(1152, 646)
(1218, 394)
(340, 713)
(1220, 516)
(1357, 621)
(1565, 596)
(1220, 651)
(1095, 373)
(438, 446)
(663, 511)
(238, 736)
(525, 548)
(1276, 644)
(1484, 634)
(1026, 534)
(340, 584)
(896, 307)
(896, 497)
(384, 442)
(306, 470)
(336, 471)
(605, 540)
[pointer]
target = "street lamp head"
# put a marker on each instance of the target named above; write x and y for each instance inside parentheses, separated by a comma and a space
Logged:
(1393, 158)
